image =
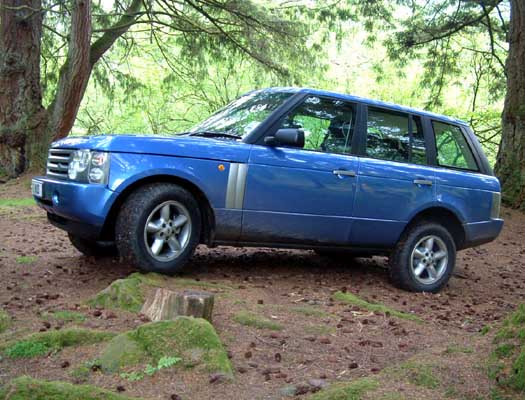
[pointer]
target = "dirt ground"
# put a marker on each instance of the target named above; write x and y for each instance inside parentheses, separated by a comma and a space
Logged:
(321, 339)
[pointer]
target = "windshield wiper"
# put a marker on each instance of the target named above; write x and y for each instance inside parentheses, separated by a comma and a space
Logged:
(212, 134)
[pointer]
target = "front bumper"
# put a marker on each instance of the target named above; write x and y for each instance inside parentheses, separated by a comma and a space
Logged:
(78, 208)
(477, 233)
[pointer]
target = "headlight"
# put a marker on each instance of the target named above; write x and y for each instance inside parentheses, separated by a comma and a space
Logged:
(89, 166)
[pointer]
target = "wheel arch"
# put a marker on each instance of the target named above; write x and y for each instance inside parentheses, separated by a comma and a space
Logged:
(208, 216)
(444, 216)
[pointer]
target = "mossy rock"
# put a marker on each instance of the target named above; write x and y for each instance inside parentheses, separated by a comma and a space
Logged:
(126, 294)
(24, 388)
(5, 321)
(42, 343)
(192, 339)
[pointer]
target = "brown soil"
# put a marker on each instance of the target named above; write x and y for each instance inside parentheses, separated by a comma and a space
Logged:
(341, 344)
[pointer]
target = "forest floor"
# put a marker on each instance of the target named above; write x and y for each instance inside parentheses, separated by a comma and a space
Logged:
(301, 335)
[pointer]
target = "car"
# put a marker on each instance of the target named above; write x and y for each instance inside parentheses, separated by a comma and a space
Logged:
(282, 167)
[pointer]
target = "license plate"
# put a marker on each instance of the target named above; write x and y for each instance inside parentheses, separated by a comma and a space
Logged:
(36, 188)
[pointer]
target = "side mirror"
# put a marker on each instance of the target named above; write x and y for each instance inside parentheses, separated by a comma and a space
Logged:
(286, 137)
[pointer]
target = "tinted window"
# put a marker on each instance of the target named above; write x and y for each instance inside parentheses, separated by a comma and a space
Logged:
(452, 147)
(328, 124)
(387, 135)
(418, 146)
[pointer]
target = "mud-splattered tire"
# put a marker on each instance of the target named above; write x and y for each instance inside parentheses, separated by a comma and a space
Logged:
(158, 228)
(423, 259)
(92, 248)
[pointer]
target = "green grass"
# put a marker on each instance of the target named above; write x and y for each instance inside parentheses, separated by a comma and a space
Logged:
(24, 388)
(350, 298)
(250, 319)
(454, 349)
(319, 330)
(39, 344)
(25, 202)
(65, 315)
(346, 391)
(193, 340)
(507, 361)
(5, 321)
(26, 259)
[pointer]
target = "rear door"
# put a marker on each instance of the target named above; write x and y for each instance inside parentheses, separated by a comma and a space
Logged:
(304, 195)
(394, 178)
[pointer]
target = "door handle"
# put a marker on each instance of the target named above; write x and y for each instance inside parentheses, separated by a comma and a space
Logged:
(344, 172)
(425, 182)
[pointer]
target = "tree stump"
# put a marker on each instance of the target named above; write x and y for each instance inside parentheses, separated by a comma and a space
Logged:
(166, 304)
(195, 303)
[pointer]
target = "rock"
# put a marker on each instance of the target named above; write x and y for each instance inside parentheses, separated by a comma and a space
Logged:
(317, 383)
(288, 391)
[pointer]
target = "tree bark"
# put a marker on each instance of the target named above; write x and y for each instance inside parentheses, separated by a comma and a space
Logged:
(74, 74)
(22, 116)
(510, 165)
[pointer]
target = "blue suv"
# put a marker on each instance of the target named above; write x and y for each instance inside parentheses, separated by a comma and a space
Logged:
(282, 167)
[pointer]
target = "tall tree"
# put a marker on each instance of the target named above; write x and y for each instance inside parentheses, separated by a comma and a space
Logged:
(510, 165)
(67, 39)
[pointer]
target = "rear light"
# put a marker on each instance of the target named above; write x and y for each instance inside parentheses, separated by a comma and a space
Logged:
(496, 205)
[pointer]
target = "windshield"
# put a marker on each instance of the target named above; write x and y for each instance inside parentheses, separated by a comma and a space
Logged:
(243, 115)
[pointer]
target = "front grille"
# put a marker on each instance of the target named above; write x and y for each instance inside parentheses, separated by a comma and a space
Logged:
(58, 162)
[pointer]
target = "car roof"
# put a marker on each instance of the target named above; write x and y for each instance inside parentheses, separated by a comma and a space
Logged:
(370, 102)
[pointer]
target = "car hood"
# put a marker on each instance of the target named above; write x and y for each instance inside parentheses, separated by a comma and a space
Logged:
(181, 146)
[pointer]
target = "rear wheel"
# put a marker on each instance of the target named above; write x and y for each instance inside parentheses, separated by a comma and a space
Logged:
(93, 248)
(158, 228)
(424, 258)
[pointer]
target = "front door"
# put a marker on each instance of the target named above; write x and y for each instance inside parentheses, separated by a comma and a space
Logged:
(304, 195)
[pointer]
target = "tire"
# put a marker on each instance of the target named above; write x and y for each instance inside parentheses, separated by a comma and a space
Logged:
(92, 248)
(176, 239)
(434, 269)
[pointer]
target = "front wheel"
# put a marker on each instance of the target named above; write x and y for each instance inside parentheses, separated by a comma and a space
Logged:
(423, 259)
(158, 228)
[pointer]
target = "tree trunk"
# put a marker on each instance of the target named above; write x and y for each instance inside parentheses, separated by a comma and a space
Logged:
(74, 74)
(510, 165)
(22, 116)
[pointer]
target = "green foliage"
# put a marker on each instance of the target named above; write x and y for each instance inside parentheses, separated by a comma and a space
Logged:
(420, 374)
(453, 349)
(44, 342)
(150, 370)
(346, 391)
(24, 388)
(26, 259)
(350, 298)
(507, 362)
(250, 319)
(65, 315)
(5, 321)
(166, 343)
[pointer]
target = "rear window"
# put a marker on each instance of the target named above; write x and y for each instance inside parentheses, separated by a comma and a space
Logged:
(452, 147)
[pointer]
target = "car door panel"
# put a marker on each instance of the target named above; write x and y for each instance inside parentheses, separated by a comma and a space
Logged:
(293, 194)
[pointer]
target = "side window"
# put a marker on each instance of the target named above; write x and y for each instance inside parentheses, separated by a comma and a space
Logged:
(387, 135)
(328, 124)
(452, 147)
(418, 145)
